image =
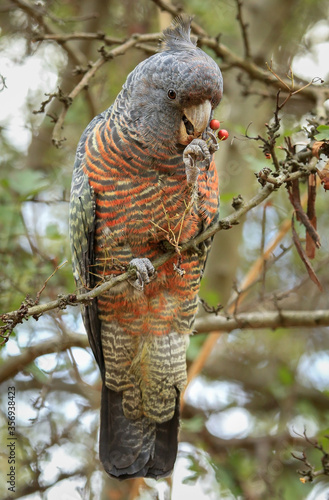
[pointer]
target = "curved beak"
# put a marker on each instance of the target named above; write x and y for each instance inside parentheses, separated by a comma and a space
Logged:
(194, 122)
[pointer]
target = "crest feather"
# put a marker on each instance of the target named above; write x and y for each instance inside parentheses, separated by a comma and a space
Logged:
(178, 35)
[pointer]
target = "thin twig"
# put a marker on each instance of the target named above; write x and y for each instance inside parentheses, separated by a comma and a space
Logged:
(67, 37)
(243, 27)
(46, 281)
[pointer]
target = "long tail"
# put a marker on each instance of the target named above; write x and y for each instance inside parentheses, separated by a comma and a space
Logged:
(135, 448)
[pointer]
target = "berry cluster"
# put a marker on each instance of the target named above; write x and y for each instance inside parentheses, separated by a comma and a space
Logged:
(222, 133)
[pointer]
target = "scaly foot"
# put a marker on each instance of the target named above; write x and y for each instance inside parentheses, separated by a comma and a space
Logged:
(144, 270)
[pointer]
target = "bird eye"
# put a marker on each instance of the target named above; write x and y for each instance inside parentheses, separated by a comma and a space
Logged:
(171, 94)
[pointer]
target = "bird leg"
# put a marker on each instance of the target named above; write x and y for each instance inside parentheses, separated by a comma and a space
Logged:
(144, 270)
(197, 155)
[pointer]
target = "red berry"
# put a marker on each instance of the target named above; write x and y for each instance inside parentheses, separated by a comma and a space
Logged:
(214, 124)
(268, 156)
(223, 134)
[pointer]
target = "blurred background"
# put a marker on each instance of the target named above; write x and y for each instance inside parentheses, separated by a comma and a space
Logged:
(259, 391)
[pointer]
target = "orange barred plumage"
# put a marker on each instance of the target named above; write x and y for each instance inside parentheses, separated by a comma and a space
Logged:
(144, 181)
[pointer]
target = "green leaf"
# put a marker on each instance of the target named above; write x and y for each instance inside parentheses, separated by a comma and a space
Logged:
(323, 133)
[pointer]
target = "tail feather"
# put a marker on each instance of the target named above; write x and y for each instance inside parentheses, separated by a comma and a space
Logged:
(166, 444)
(135, 448)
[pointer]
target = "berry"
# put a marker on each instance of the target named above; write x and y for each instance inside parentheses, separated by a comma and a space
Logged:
(268, 156)
(214, 124)
(223, 134)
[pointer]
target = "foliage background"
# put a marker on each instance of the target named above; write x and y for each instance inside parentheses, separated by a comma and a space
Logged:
(259, 389)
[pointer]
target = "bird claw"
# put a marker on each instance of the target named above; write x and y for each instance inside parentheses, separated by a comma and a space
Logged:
(144, 270)
(213, 145)
(196, 155)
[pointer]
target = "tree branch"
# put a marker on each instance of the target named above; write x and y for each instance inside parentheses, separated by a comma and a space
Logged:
(257, 320)
(36, 487)
(66, 37)
(93, 68)
(15, 364)
(38, 13)
(246, 64)
(88, 392)
(218, 444)
(243, 321)
(11, 319)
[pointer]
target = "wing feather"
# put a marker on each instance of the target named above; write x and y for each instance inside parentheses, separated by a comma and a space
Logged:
(82, 229)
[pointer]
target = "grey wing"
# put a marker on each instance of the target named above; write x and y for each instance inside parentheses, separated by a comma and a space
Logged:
(82, 226)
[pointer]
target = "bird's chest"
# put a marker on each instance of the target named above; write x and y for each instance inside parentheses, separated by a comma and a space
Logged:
(136, 212)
